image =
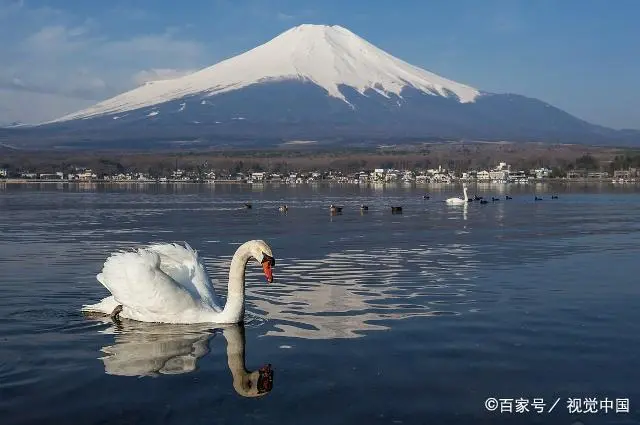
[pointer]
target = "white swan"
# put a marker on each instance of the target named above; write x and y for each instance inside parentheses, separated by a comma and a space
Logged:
(145, 349)
(168, 283)
(459, 201)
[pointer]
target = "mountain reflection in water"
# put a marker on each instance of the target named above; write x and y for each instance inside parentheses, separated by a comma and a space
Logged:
(334, 297)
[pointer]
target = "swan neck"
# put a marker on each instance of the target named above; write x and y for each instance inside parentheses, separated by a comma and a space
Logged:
(234, 307)
(236, 358)
(235, 352)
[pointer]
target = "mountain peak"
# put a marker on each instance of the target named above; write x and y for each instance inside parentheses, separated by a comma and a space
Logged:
(317, 30)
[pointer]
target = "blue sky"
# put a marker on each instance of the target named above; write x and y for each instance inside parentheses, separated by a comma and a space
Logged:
(579, 55)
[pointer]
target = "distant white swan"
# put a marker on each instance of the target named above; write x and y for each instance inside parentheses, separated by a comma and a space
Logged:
(167, 283)
(459, 201)
(145, 349)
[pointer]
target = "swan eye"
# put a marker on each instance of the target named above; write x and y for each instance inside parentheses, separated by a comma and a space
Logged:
(271, 260)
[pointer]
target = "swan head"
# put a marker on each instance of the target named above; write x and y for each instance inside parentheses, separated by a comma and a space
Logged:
(262, 252)
(255, 384)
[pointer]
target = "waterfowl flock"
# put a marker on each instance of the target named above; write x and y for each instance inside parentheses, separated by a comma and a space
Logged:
(397, 209)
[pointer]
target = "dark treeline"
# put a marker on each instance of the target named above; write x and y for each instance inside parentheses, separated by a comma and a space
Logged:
(457, 158)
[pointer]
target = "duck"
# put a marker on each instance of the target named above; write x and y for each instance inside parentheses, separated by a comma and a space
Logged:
(248, 205)
(508, 197)
(364, 207)
(335, 210)
(494, 199)
(167, 283)
(396, 210)
(537, 199)
(484, 201)
(554, 196)
(283, 208)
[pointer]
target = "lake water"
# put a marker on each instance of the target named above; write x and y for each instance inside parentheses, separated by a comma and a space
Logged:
(373, 318)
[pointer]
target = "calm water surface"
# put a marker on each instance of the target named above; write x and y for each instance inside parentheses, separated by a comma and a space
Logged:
(373, 318)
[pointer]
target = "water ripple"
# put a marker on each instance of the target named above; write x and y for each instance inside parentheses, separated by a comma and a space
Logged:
(344, 294)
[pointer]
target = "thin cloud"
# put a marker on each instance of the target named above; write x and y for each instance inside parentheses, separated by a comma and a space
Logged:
(53, 55)
(8, 8)
(33, 107)
(130, 13)
(281, 16)
(149, 75)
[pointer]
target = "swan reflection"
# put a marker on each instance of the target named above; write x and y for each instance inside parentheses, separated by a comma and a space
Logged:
(150, 349)
(347, 293)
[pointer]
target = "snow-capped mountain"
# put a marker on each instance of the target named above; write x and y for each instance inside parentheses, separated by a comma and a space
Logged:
(321, 82)
(328, 56)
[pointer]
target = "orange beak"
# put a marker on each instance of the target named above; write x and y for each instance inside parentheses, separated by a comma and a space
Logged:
(268, 271)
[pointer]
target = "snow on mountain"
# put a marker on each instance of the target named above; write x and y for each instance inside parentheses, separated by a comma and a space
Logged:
(328, 56)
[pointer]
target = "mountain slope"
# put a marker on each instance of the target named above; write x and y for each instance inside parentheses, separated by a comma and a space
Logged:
(320, 82)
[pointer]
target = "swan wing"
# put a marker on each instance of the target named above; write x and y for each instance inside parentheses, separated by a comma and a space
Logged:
(136, 281)
(183, 265)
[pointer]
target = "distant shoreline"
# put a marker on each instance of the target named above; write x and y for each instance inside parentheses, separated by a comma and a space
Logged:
(220, 181)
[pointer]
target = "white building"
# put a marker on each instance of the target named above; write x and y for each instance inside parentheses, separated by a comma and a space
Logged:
(542, 173)
(518, 177)
(409, 176)
(483, 175)
(49, 176)
(87, 175)
(500, 174)
(378, 174)
(391, 176)
(468, 175)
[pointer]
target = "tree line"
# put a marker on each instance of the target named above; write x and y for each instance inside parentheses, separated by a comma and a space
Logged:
(156, 165)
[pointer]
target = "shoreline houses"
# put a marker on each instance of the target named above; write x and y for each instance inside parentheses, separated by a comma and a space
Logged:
(500, 174)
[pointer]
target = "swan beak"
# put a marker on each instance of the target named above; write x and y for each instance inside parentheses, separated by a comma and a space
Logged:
(268, 271)
(265, 380)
